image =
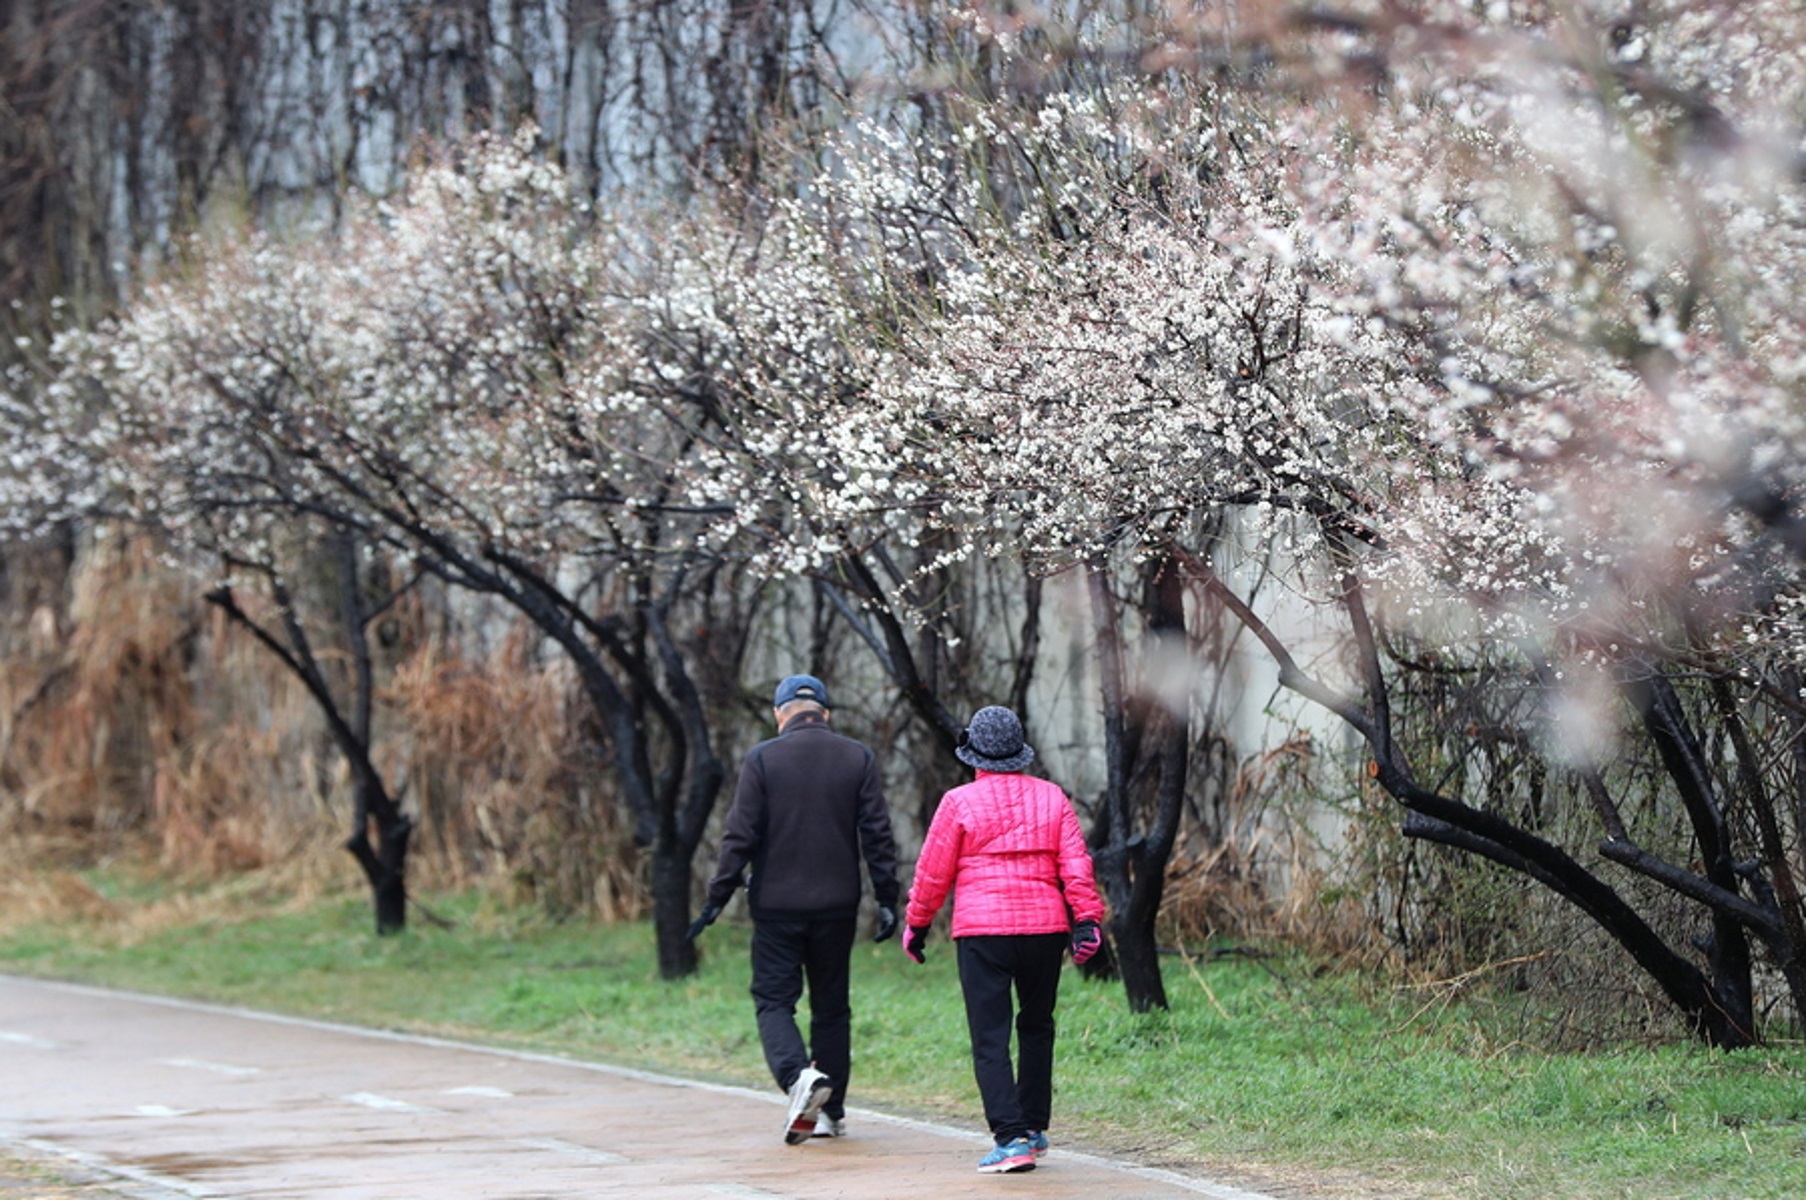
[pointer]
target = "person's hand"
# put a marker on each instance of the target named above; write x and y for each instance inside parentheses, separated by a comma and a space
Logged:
(914, 940)
(887, 922)
(1087, 940)
(702, 922)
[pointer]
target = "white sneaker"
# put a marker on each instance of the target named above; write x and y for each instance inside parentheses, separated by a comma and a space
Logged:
(826, 1126)
(807, 1095)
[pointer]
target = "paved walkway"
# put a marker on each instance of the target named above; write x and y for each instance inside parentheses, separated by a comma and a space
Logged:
(157, 1099)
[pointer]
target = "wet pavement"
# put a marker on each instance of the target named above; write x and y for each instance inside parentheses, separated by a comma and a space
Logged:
(116, 1094)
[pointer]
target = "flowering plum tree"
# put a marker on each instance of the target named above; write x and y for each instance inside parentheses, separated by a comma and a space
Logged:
(828, 357)
(440, 381)
(1479, 319)
(1473, 322)
(1584, 239)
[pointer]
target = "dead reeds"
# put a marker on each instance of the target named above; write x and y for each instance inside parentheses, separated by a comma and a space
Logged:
(138, 721)
(510, 790)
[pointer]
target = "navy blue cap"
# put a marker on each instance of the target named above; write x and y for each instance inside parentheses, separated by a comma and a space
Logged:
(800, 687)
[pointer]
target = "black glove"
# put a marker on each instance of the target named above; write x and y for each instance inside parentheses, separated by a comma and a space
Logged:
(709, 913)
(887, 922)
(914, 940)
(1087, 940)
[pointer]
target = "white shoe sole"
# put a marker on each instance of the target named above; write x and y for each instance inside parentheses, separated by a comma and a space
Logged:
(800, 1126)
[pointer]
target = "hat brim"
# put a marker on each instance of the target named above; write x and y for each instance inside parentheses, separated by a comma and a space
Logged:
(1014, 762)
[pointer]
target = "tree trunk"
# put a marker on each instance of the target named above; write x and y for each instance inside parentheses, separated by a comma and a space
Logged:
(1131, 867)
(1138, 955)
(1110, 851)
(385, 866)
(681, 826)
(671, 909)
(1731, 985)
(1168, 735)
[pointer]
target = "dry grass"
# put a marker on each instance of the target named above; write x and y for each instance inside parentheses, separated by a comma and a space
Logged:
(146, 724)
(510, 791)
(43, 882)
(140, 723)
(1265, 876)
(88, 715)
(29, 897)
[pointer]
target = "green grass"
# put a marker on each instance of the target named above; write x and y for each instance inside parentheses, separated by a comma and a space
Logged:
(1262, 1070)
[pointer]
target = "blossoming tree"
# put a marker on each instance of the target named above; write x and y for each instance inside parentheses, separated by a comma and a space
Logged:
(442, 382)
(1473, 323)
(1483, 321)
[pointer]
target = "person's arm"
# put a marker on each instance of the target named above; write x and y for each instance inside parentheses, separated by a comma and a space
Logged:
(935, 866)
(740, 839)
(1077, 879)
(876, 841)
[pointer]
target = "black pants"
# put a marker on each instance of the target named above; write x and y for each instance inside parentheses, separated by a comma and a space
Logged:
(784, 955)
(1019, 1100)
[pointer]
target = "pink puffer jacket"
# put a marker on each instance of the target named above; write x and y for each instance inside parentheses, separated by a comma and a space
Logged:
(1011, 845)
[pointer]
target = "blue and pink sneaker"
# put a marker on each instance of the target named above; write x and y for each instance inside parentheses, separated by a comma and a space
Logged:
(1018, 1155)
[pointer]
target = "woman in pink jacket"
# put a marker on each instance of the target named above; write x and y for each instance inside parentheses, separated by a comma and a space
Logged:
(1011, 846)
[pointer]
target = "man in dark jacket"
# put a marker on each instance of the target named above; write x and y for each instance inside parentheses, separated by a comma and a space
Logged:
(808, 805)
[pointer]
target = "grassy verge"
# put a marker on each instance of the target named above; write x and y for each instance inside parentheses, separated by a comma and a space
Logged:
(1261, 1073)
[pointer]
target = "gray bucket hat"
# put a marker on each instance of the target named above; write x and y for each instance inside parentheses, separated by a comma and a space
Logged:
(993, 741)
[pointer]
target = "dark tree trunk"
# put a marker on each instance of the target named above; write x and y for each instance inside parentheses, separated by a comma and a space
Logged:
(879, 627)
(1169, 735)
(890, 642)
(681, 825)
(1732, 981)
(1137, 947)
(1138, 954)
(637, 682)
(1775, 850)
(671, 910)
(385, 867)
(1132, 866)
(1110, 843)
(384, 863)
